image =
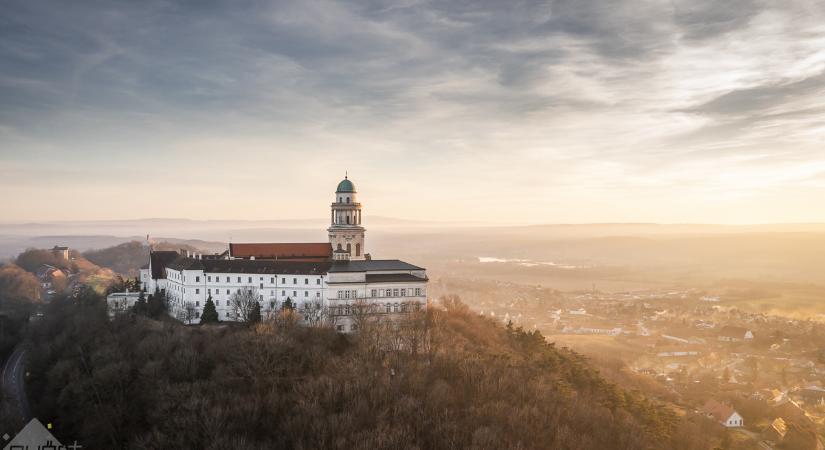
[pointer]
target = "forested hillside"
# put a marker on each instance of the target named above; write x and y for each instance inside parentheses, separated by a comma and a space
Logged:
(448, 379)
(127, 258)
(124, 259)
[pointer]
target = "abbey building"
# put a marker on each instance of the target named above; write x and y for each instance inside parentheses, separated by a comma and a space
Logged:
(335, 277)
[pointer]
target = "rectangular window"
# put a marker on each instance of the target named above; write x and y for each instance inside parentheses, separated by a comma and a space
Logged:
(250, 280)
(317, 281)
(239, 279)
(261, 286)
(283, 280)
(294, 281)
(374, 293)
(294, 293)
(403, 292)
(317, 295)
(283, 293)
(418, 292)
(209, 291)
(306, 280)
(197, 279)
(272, 280)
(395, 292)
(209, 279)
(197, 303)
(306, 293)
(197, 291)
(227, 292)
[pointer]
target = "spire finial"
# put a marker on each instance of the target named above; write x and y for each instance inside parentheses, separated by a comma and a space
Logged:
(346, 174)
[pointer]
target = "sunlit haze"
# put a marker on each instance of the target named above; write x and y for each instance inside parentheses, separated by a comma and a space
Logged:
(551, 112)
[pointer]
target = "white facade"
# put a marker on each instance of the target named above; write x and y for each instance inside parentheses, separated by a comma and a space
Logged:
(390, 288)
(120, 302)
(735, 420)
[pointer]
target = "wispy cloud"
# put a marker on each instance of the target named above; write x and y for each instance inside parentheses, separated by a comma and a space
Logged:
(566, 107)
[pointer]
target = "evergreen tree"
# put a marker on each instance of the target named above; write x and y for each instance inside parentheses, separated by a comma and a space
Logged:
(140, 305)
(288, 305)
(255, 314)
(210, 314)
(156, 306)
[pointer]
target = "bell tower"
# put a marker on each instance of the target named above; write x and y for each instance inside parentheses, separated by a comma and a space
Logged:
(345, 230)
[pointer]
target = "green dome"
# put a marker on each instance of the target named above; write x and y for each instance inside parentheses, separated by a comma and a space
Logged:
(345, 186)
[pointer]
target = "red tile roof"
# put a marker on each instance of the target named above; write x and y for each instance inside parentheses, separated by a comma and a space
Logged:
(313, 251)
(720, 411)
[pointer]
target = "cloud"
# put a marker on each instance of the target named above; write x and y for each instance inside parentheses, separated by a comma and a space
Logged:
(541, 95)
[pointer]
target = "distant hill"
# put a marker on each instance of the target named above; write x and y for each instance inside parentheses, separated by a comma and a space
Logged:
(124, 259)
(127, 258)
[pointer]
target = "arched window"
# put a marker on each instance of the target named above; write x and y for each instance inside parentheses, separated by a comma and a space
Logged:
(389, 308)
(347, 219)
(339, 246)
(349, 248)
(347, 199)
(357, 249)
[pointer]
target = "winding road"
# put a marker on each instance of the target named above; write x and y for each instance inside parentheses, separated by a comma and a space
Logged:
(13, 380)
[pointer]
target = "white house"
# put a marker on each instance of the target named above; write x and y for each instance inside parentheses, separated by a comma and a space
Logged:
(120, 302)
(722, 413)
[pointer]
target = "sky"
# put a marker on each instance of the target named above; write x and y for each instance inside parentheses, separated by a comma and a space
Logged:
(517, 112)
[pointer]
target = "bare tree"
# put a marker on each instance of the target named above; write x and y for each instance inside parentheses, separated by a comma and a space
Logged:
(243, 303)
(316, 315)
(415, 332)
(188, 312)
(364, 314)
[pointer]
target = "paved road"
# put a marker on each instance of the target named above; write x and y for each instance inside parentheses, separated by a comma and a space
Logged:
(13, 379)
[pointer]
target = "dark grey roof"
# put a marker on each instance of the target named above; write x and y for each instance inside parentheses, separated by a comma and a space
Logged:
(370, 265)
(392, 278)
(250, 266)
(159, 260)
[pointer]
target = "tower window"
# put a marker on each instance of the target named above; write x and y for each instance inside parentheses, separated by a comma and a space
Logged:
(347, 199)
(357, 249)
(349, 246)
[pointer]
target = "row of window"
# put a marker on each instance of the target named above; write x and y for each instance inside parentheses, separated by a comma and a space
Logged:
(175, 275)
(347, 310)
(260, 279)
(376, 293)
(395, 292)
